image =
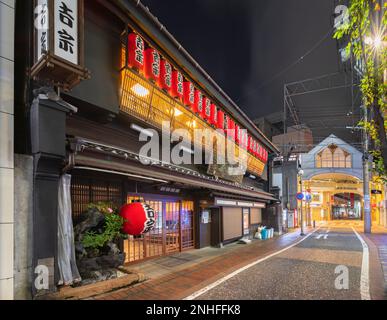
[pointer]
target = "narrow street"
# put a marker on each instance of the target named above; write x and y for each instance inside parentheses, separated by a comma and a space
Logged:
(305, 271)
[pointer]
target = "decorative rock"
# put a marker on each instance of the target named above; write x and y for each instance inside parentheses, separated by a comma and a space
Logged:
(96, 264)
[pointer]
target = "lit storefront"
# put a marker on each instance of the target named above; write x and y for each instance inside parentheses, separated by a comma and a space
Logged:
(127, 78)
(334, 179)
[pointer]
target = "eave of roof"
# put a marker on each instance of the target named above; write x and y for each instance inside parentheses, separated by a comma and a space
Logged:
(149, 24)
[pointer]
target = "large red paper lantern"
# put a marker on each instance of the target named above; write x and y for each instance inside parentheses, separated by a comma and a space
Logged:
(230, 128)
(165, 79)
(139, 218)
(206, 109)
(136, 57)
(220, 120)
(189, 94)
(244, 138)
(237, 134)
(152, 64)
(177, 89)
(250, 144)
(198, 106)
(214, 114)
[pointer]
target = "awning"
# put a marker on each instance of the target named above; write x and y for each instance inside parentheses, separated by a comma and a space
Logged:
(91, 155)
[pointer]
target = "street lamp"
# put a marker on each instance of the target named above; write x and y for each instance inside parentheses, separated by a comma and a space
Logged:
(300, 174)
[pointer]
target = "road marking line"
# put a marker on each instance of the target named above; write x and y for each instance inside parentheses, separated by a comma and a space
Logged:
(318, 237)
(326, 237)
(233, 274)
(365, 273)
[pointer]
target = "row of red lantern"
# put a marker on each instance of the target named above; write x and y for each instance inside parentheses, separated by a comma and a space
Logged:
(149, 62)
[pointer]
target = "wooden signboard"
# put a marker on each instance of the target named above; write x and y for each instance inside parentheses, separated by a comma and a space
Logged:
(59, 43)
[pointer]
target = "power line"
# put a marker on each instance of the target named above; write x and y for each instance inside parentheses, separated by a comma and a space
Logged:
(301, 59)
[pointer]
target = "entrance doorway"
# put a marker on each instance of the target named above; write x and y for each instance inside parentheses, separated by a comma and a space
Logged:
(173, 232)
(346, 206)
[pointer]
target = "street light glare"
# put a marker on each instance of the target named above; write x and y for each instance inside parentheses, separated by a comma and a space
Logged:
(377, 42)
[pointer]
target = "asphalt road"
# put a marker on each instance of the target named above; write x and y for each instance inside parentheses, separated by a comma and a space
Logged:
(305, 271)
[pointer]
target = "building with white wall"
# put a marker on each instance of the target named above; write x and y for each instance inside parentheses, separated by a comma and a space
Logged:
(7, 27)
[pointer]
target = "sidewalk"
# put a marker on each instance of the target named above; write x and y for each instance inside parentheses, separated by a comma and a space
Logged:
(178, 276)
(379, 240)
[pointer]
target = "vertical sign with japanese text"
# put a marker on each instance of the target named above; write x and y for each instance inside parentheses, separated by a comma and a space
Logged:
(66, 30)
(42, 27)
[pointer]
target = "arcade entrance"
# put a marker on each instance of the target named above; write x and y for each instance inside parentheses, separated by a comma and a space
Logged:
(346, 206)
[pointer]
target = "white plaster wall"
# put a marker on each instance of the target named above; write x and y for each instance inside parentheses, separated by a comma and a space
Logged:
(7, 22)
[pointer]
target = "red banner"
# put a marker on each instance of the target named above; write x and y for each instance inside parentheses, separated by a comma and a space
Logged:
(165, 79)
(135, 52)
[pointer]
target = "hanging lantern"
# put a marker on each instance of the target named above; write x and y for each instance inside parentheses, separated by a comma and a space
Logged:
(152, 64)
(231, 128)
(139, 218)
(189, 94)
(244, 138)
(220, 120)
(206, 109)
(198, 106)
(237, 134)
(177, 89)
(250, 144)
(214, 115)
(136, 57)
(165, 79)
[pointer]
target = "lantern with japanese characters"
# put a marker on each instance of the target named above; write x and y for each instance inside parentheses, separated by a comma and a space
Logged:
(177, 89)
(136, 54)
(250, 144)
(152, 64)
(230, 128)
(214, 114)
(198, 105)
(237, 134)
(220, 120)
(189, 94)
(206, 114)
(244, 138)
(259, 152)
(139, 218)
(165, 79)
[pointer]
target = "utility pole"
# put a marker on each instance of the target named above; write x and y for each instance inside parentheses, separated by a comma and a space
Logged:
(366, 177)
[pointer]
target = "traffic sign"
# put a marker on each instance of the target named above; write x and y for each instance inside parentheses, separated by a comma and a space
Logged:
(300, 196)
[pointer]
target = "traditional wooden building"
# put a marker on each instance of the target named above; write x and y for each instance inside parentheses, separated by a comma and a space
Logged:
(104, 73)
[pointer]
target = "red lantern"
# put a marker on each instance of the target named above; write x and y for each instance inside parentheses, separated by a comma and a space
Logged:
(261, 153)
(165, 79)
(206, 109)
(237, 134)
(244, 138)
(198, 106)
(177, 89)
(135, 52)
(220, 120)
(231, 128)
(189, 94)
(152, 64)
(139, 218)
(214, 114)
